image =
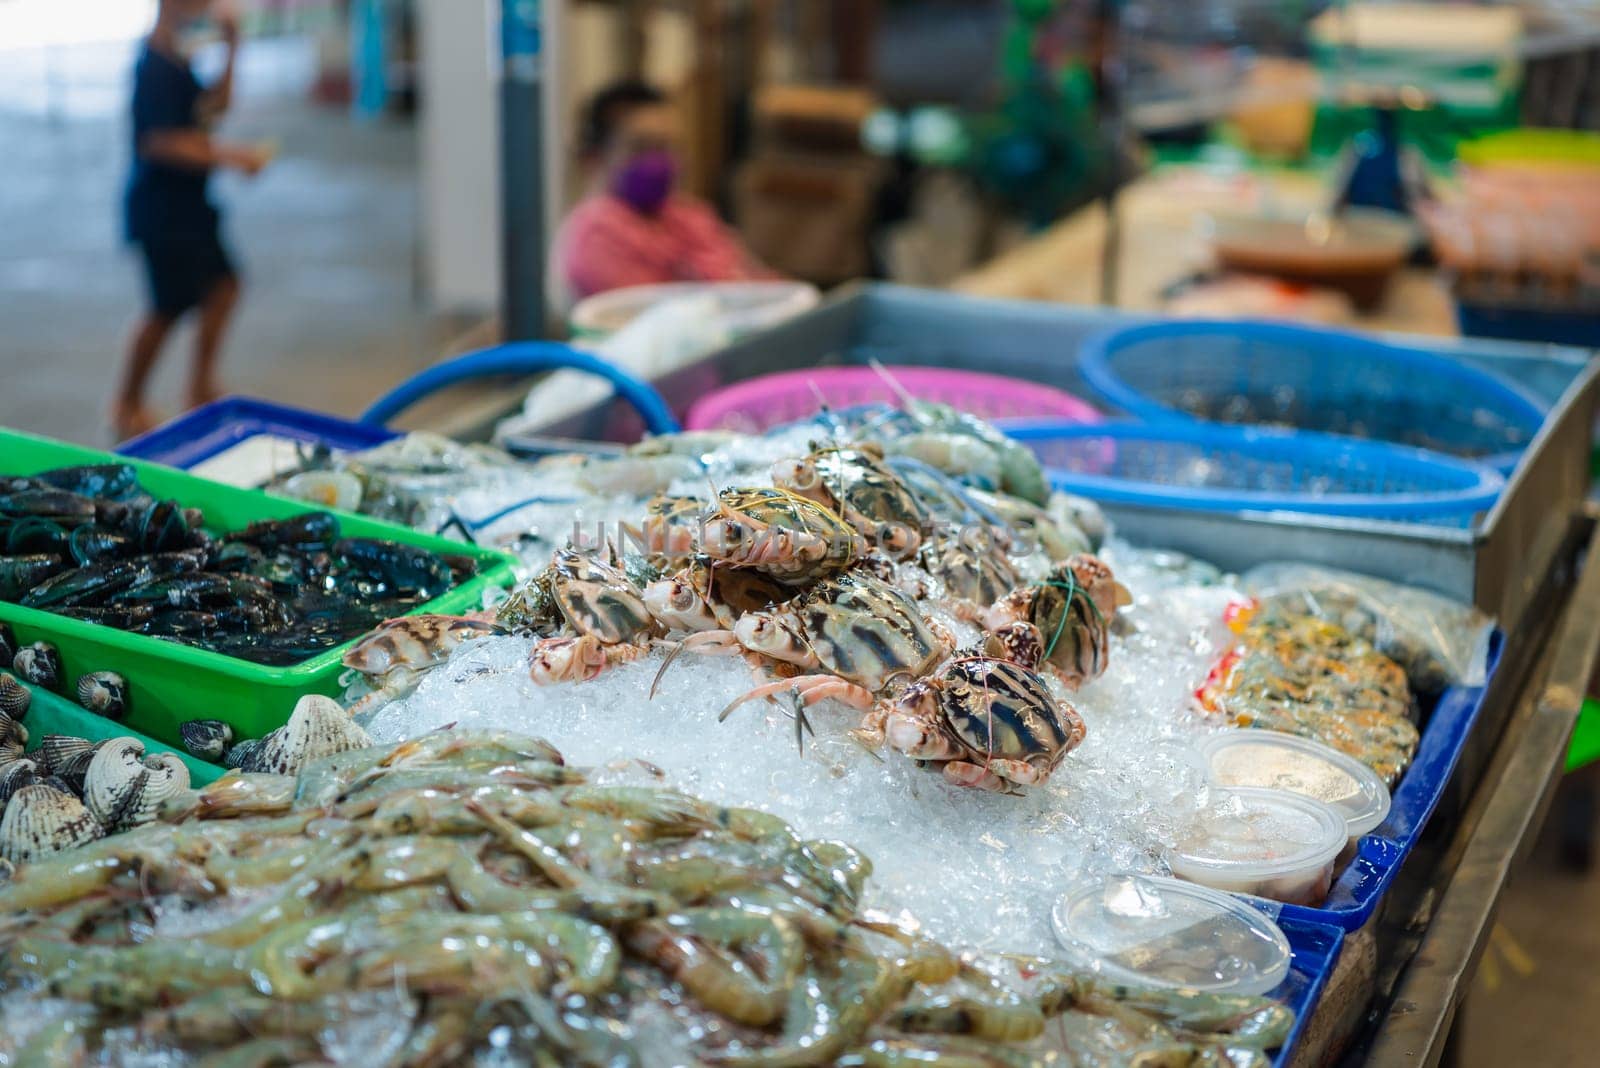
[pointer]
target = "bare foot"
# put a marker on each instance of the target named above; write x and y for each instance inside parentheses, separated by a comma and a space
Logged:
(129, 421)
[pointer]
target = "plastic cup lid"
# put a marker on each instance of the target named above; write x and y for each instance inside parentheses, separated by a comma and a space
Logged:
(1264, 833)
(1164, 932)
(1281, 761)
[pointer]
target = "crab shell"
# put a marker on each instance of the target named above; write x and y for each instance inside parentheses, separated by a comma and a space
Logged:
(596, 599)
(791, 538)
(860, 487)
(973, 574)
(1071, 610)
(855, 626)
(991, 713)
(699, 597)
(413, 642)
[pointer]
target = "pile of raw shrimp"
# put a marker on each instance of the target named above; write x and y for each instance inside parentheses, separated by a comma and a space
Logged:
(470, 898)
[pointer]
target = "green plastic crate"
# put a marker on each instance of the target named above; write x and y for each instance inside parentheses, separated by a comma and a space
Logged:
(1585, 747)
(53, 714)
(170, 683)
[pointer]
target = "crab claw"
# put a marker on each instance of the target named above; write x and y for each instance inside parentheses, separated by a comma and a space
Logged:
(1018, 642)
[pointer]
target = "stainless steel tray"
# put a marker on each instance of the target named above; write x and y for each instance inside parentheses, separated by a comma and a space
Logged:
(1530, 562)
(1497, 564)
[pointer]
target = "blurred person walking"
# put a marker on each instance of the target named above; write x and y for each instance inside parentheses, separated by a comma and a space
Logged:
(168, 213)
(636, 227)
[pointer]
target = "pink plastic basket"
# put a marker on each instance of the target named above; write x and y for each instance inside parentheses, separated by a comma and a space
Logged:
(757, 404)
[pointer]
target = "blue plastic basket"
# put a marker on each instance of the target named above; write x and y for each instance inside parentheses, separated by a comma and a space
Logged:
(1321, 380)
(207, 431)
(1208, 467)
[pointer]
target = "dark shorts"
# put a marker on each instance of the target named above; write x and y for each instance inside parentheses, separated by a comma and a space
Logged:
(182, 270)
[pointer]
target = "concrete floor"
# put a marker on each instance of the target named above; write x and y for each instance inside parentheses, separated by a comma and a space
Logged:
(1533, 998)
(326, 239)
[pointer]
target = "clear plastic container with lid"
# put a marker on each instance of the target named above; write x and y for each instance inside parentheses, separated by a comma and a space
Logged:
(1153, 931)
(1270, 843)
(1279, 761)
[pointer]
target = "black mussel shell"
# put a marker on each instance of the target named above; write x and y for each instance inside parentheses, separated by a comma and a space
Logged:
(8, 642)
(39, 664)
(206, 739)
(104, 693)
(93, 480)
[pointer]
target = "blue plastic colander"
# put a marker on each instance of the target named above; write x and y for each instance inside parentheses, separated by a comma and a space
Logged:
(1321, 380)
(1209, 467)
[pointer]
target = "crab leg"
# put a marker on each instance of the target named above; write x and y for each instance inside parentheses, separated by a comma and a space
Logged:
(811, 689)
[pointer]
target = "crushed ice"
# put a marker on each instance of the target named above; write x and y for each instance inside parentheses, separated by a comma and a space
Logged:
(978, 870)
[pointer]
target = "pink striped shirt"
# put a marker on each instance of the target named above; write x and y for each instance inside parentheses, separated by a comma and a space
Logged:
(605, 244)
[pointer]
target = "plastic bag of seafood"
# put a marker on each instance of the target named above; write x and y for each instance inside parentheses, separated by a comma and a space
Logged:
(1440, 641)
(1306, 676)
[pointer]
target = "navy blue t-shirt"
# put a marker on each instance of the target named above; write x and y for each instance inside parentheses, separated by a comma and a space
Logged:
(163, 200)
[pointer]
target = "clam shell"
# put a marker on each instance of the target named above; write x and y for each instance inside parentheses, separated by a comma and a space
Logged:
(17, 774)
(68, 757)
(318, 727)
(15, 698)
(124, 788)
(11, 746)
(206, 739)
(40, 820)
(39, 664)
(10, 728)
(241, 753)
(104, 693)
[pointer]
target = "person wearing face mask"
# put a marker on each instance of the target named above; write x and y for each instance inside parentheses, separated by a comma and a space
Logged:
(167, 210)
(635, 227)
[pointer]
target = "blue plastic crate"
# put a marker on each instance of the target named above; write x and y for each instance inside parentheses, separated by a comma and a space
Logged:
(208, 431)
(1208, 467)
(1359, 889)
(1309, 379)
(1315, 951)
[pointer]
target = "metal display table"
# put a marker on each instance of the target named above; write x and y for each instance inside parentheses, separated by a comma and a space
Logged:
(1529, 562)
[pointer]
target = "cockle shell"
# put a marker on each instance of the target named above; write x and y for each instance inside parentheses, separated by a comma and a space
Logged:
(206, 739)
(39, 664)
(104, 693)
(15, 698)
(17, 774)
(237, 757)
(13, 739)
(40, 820)
(124, 788)
(318, 727)
(68, 757)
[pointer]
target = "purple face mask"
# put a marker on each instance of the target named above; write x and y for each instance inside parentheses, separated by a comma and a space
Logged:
(646, 180)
